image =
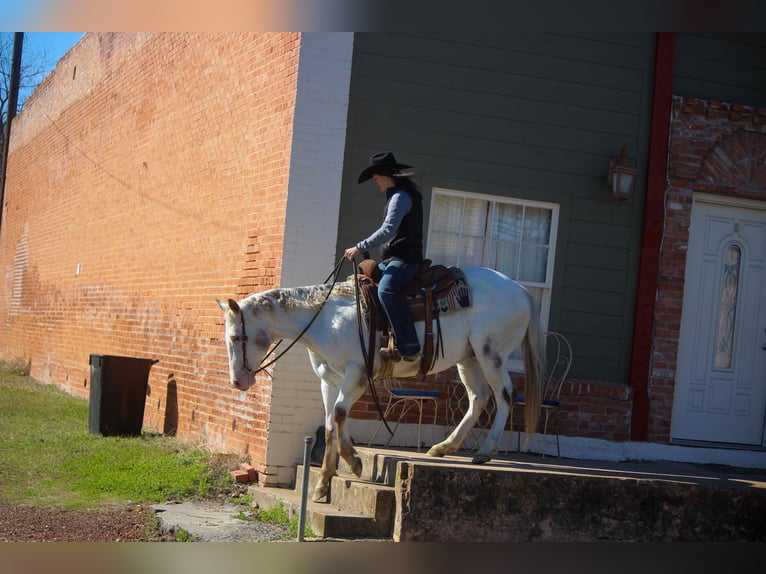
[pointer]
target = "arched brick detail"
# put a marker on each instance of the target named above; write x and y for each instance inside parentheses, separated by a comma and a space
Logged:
(739, 161)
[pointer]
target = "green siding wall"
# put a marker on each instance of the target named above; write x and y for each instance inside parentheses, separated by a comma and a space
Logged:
(725, 67)
(534, 116)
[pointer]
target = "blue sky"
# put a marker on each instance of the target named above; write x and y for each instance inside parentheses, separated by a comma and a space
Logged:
(53, 44)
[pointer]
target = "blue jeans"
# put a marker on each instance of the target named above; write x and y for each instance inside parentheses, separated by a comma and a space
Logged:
(396, 275)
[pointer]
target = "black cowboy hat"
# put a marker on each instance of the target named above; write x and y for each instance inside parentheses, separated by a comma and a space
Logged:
(382, 162)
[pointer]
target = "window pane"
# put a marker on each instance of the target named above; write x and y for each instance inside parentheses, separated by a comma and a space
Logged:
(537, 225)
(443, 248)
(507, 223)
(471, 252)
(447, 213)
(533, 264)
(507, 257)
(728, 307)
(475, 218)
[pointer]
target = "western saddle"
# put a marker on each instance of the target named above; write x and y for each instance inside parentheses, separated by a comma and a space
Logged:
(435, 290)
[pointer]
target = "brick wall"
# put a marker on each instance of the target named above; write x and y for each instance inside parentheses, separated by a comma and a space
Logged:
(590, 409)
(148, 176)
(703, 135)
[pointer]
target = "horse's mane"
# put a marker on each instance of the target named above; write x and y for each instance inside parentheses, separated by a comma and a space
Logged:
(309, 297)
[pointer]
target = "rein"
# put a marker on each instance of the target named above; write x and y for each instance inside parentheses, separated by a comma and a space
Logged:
(261, 367)
(368, 360)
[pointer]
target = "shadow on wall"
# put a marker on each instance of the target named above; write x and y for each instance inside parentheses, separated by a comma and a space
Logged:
(170, 426)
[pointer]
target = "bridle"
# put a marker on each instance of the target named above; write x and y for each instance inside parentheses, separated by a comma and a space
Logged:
(243, 337)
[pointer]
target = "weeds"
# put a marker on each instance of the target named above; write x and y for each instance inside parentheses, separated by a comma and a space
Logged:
(280, 515)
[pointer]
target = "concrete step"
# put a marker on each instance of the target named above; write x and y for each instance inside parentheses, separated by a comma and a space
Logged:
(355, 509)
(377, 466)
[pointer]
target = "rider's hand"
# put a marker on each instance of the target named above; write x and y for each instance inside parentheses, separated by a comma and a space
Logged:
(351, 253)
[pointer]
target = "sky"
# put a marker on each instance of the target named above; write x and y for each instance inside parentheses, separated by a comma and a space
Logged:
(53, 44)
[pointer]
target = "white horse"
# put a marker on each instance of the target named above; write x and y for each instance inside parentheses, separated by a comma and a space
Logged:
(478, 339)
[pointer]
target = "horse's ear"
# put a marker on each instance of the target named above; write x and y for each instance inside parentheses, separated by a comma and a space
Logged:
(234, 306)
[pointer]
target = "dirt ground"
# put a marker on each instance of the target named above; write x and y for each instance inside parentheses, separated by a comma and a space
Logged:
(128, 522)
(118, 523)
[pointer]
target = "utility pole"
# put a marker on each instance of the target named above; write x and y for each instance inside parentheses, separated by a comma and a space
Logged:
(13, 99)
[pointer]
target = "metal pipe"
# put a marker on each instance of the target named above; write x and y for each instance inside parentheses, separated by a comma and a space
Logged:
(304, 485)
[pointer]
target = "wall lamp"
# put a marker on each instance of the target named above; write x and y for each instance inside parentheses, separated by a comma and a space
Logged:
(622, 175)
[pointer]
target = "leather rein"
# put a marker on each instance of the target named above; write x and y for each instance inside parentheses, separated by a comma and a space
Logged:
(368, 361)
(243, 338)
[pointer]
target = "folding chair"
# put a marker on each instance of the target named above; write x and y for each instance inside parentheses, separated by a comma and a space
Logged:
(407, 398)
(558, 354)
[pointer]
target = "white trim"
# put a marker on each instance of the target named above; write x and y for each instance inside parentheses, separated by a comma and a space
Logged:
(700, 196)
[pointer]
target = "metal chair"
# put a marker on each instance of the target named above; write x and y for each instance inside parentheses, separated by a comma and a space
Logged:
(558, 353)
(407, 398)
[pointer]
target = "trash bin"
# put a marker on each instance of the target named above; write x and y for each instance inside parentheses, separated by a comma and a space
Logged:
(117, 394)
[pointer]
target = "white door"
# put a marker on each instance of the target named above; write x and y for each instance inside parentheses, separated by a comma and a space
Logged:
(720, 392)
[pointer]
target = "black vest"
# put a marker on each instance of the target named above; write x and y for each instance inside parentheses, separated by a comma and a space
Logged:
(407, 243)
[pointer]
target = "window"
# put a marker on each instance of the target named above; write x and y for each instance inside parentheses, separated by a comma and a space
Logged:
(513, 236)
(728, 307)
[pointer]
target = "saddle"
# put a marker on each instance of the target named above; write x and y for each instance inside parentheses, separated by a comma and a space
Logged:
(435, 290)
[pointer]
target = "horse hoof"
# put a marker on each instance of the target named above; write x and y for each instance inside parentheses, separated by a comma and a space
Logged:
(433, 451)
(356, 466)
(320, 492)
(480, 459)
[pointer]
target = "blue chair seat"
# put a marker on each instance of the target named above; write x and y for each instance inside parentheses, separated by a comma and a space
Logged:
(545, 402)
(414, 393)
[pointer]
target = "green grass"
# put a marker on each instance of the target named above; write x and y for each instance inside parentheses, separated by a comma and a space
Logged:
(279, 515)
(49, 457)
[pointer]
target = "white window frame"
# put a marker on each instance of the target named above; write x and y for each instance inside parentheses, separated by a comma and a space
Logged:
(488, 255)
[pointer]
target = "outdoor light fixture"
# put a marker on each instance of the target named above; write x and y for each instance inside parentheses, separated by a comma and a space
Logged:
(622, 175)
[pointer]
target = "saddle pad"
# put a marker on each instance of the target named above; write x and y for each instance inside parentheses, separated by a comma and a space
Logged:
(448, 296)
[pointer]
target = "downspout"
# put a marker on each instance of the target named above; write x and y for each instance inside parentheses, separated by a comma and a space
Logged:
(13, 99)
(651, 239)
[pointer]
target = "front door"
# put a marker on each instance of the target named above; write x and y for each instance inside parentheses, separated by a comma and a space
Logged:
(720, 393)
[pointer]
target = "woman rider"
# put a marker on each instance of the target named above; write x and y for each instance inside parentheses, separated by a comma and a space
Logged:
(400, 237)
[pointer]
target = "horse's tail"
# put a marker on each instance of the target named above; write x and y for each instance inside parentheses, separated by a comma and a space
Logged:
(533, 348)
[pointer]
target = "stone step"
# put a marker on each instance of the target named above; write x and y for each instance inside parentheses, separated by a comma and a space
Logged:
(356, 495)
(355, 509)
(377, 466)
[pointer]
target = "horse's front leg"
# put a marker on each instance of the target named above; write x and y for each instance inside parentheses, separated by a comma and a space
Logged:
(351, 390)
(330, 460)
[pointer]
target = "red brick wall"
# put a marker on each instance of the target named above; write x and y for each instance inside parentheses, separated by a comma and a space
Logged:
(698, 129)
(591, 409)
(158, 164)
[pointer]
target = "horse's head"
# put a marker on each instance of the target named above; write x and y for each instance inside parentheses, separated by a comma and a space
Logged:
(245, 342)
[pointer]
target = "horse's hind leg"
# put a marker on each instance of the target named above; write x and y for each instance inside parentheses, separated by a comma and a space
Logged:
(493, 363)
(478, 395)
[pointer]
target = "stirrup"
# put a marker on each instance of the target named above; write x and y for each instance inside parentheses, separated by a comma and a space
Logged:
(390, 355)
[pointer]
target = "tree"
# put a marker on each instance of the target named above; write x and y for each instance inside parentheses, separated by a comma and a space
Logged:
(34, 62)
